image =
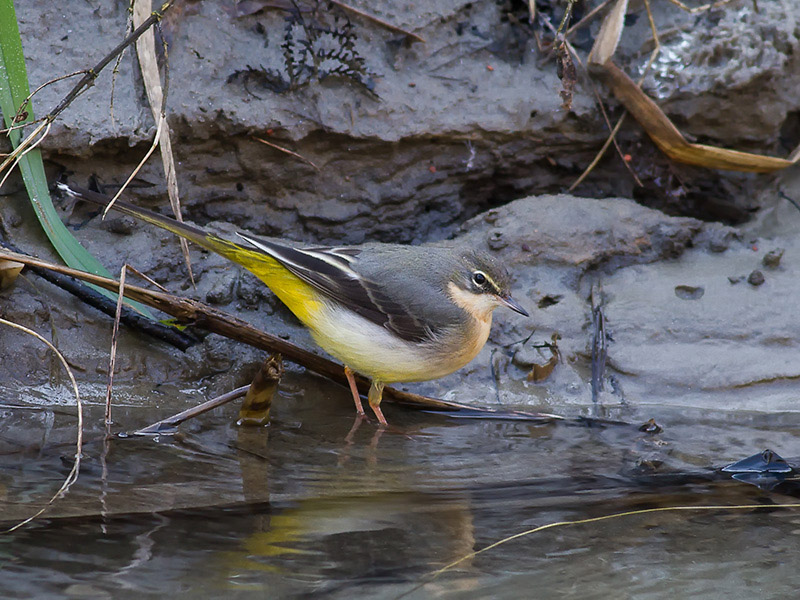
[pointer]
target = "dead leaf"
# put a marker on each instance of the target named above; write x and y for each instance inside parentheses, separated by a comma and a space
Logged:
(9, 270)
(258, 401)
(541, 372)
(146, 51)
(657, 125)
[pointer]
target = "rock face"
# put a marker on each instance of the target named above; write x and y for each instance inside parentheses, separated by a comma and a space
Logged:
(437, 139)
(427, 135)
(426, 141)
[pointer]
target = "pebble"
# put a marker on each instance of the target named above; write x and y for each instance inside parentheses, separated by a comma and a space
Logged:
(755, 278)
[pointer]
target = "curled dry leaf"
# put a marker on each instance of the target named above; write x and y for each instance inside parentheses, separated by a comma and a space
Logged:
(258, 401)
(568, 75)
(657, 125)
(9, 270)
(671, 141)
(541, 372)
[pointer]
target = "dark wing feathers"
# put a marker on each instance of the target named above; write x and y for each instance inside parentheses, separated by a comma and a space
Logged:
(329, 270)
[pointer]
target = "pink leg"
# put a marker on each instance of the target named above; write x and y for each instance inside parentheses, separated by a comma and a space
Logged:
(348, 372)
(375, 395)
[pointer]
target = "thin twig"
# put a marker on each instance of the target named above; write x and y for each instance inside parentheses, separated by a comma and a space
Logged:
(597, 157)
(699, 9)
(27, 101)
(149, 280)
(72, 477)
(377, 20)
(629, 513)
(28, 144)
(599, 344)
(587, 18)
(135, 172)
(289, 152)
(566, 16)
(112, 359)
(169, 424)
(92, 73)
(791, 200)
(93, 298)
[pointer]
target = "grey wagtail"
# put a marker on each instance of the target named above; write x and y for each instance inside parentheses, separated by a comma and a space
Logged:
(390, 312)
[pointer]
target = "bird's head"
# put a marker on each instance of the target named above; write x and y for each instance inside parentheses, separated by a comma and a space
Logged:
(481, 284)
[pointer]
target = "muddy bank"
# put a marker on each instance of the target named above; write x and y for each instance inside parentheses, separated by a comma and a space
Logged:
(685, 326)
(422, 135)
(431, 141)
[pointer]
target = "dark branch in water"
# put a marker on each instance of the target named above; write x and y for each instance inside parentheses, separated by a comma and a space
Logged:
(106, 305)
(599, 346)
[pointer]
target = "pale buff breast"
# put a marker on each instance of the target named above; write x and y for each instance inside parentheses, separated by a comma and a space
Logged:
(373, 351)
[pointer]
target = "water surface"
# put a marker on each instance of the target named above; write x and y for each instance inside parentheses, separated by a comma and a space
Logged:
(307, 506)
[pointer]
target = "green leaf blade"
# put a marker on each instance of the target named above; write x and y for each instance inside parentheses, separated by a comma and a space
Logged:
(14, 89)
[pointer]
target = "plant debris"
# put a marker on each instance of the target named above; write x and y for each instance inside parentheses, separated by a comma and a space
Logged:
(772, 259)
(317, 44)
(538, 372)
(258, 400)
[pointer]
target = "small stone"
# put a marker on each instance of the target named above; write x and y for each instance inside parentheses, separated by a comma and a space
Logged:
(490, 216)
(221, 291)
(736, 279)
(120, 225)
(248, 293)
(689, 292)
(651, 427)
(718, 245)
(496, 240)
(772, 259)
(755, 278)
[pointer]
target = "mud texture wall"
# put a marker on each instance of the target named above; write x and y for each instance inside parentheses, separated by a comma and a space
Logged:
(460, 135)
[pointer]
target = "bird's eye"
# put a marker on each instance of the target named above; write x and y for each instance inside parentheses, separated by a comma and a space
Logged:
(479, 278)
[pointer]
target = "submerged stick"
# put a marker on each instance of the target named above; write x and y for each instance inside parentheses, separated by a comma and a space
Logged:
(168, 426)
(258, 401)
(68, 281)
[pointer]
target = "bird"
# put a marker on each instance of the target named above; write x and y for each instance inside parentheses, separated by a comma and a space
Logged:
(391, 312)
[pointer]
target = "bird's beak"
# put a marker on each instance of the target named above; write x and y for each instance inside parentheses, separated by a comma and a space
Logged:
(513, 305)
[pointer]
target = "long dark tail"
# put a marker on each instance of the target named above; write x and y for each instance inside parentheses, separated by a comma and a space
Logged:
(235, 252)
(298, 295)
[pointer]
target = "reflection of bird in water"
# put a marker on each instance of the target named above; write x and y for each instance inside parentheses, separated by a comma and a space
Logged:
(363, 535)
(390, 312)
(350, 522)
